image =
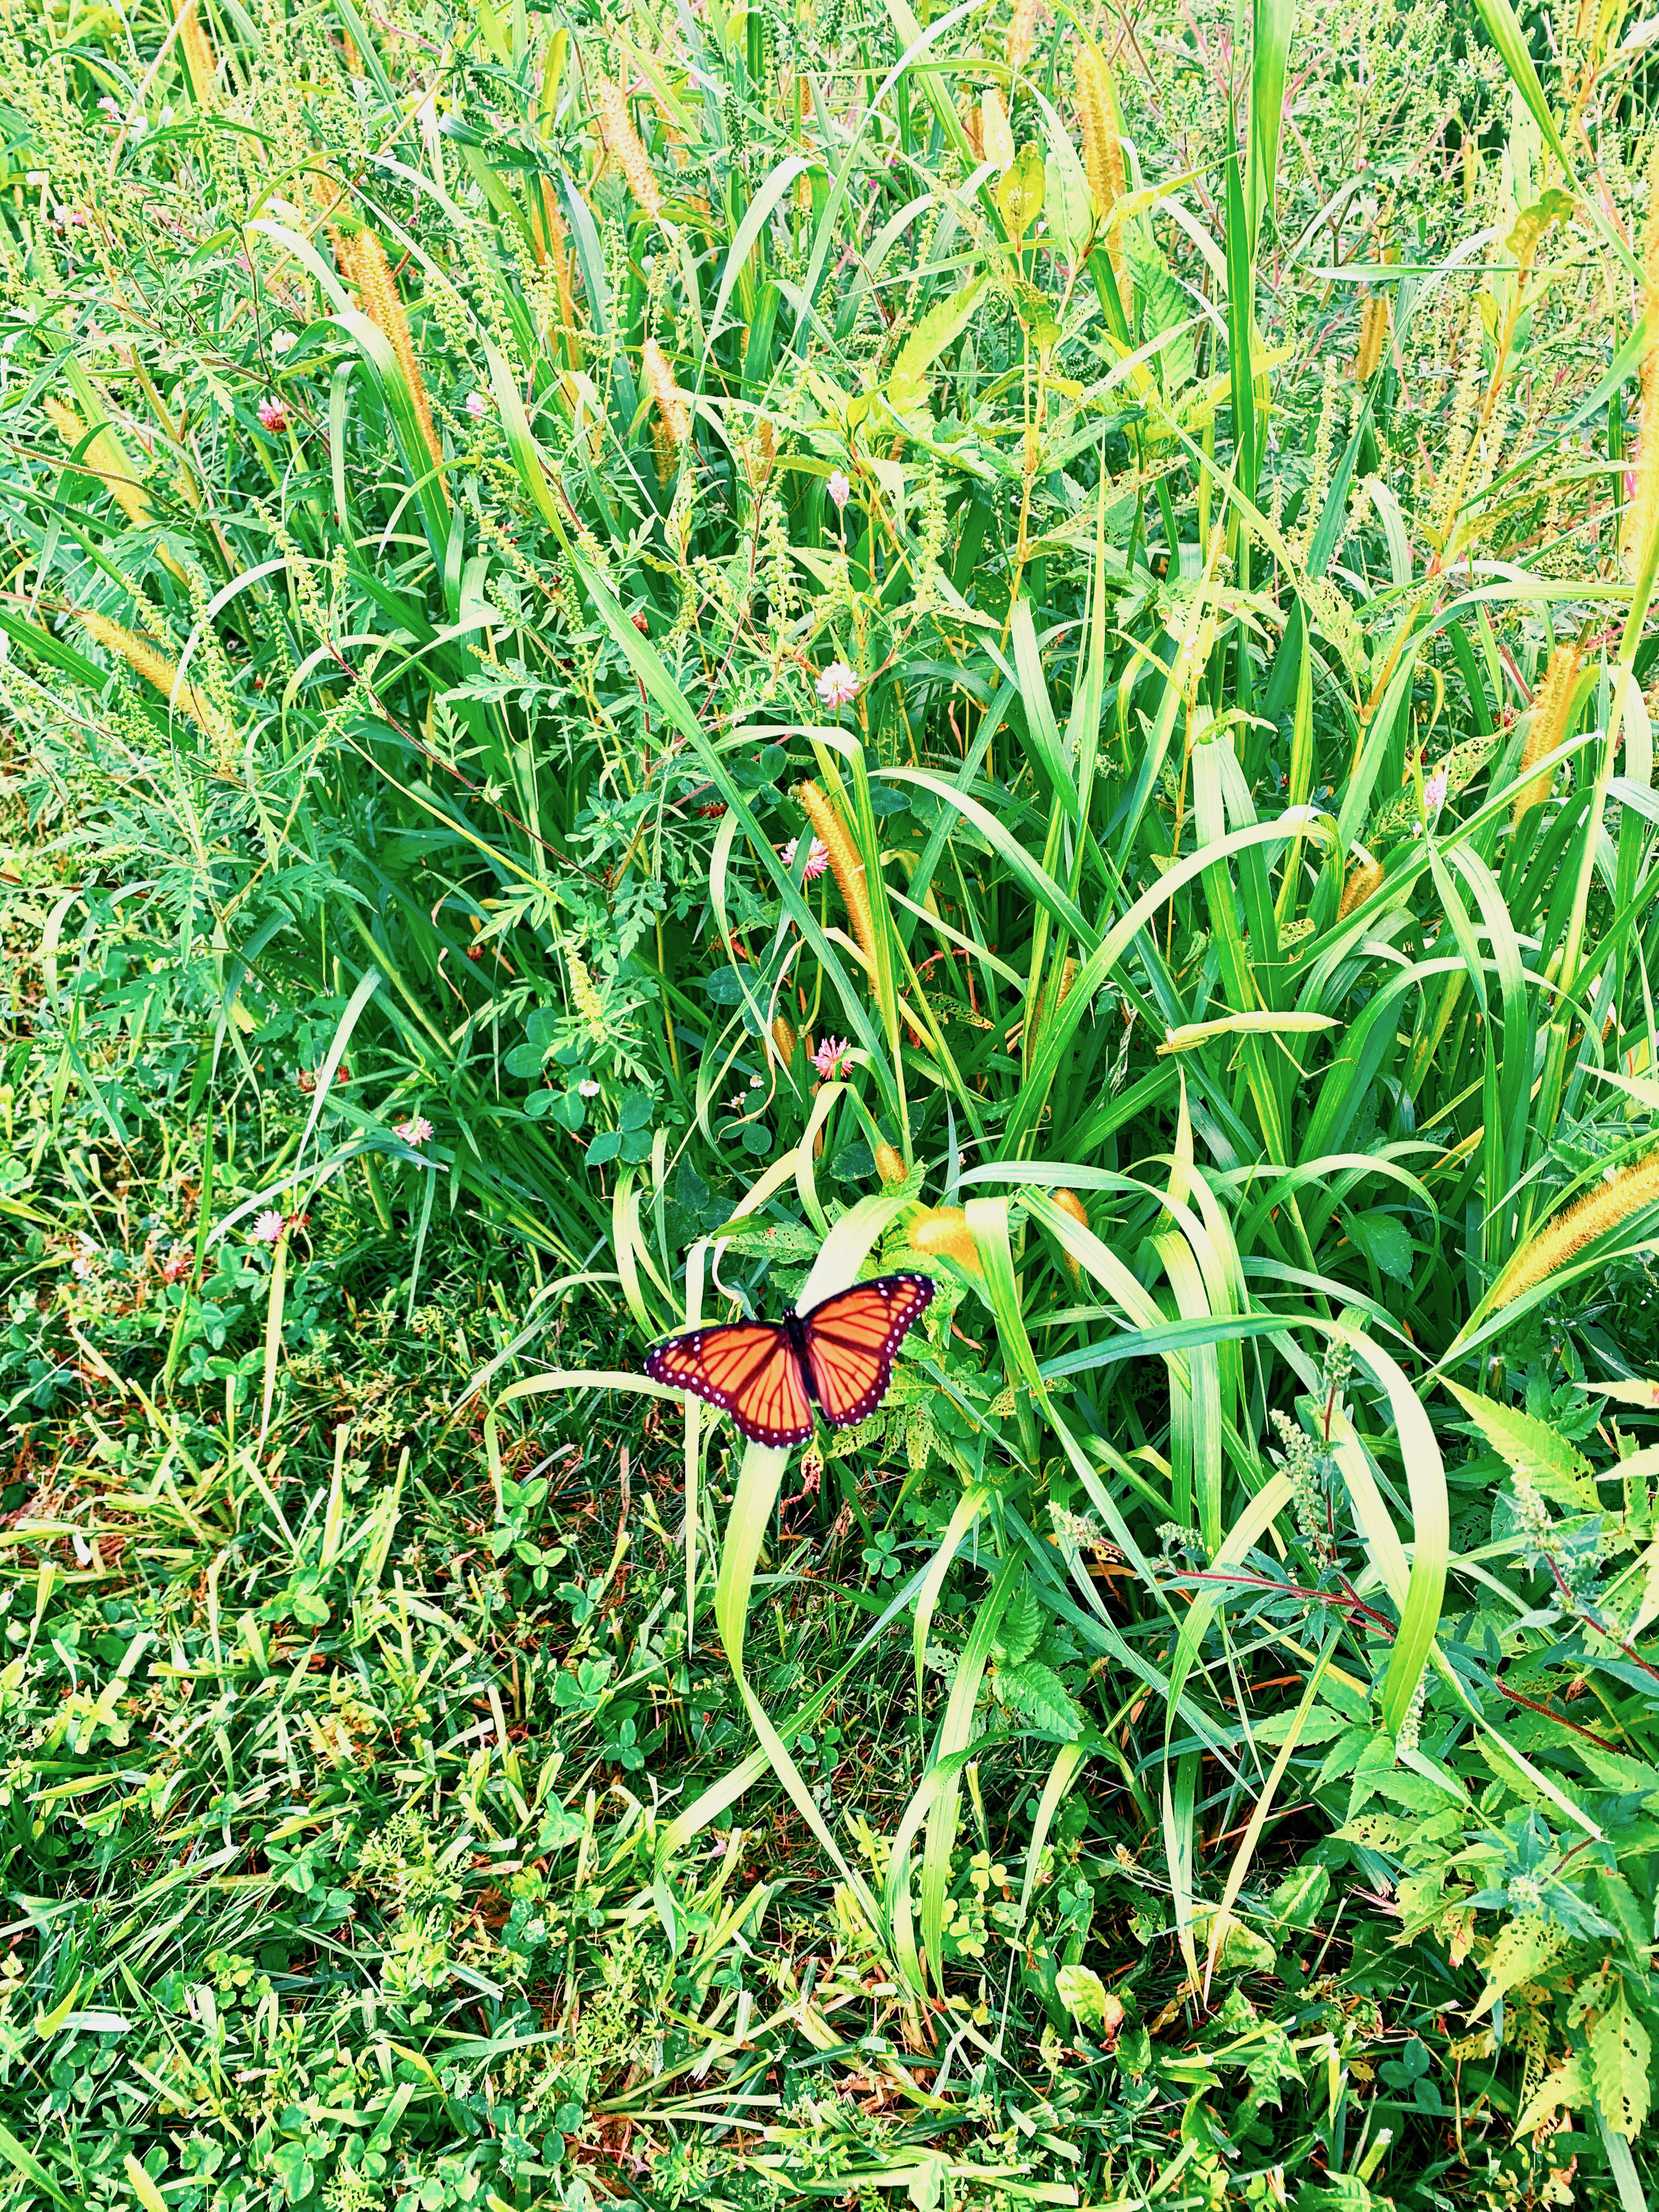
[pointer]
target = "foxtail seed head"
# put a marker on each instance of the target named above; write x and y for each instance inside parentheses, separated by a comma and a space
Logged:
(944, 1231)
(103, 457)
(1103, 150)
(1561, 1239)
(197, 51)
(147, 659)
(890, 1162)
(1642, 516)
(372, 273)
(1052, 995)
(625, 146)
(672, 410)
(1373, 336)
(1021, 27)
(845, 864)
(1549, 724)
(783, 1040)
(1363, 879)
(1069, 1202)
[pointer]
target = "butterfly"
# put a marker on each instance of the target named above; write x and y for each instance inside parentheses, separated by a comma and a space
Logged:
(769, 1375)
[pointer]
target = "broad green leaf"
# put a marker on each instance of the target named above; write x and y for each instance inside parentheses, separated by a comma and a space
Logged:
(1555, 1468)
(1620, 2052)
(1019, 195)
(943, 323)
(1087, 1998)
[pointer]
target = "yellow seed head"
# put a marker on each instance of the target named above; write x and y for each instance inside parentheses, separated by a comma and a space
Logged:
(372, 273)
(1642, 515)
(1562, 1238)
(673, 411)
(783, 1040)
(1363, 879)
(890, 1163)
(1050, 998)
(1069, 1202)
(553, 244)
(197, 51)
(146, 659)
(105, 459)
(1549, 726)
(589, 1005)
(944, 1231)
(1103, 150)
(1022, 25)
(1373, 336)
(845, 864)
(625, 146)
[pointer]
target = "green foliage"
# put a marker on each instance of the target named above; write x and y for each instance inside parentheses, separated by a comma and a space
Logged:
(655, 660)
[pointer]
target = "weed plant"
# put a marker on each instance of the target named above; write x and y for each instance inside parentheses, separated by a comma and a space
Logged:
(652, 657)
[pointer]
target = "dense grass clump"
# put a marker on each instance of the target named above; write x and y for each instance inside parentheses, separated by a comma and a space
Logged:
(654, 660)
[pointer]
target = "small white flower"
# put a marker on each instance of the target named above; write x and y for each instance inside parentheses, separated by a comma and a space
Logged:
(283, 341)
(477, 405)
(588, 1090)
(838, 685)
(841, 489)
(817, 856)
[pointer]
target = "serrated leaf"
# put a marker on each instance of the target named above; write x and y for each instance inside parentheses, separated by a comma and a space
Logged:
(1568, 2085)
(1523, 1949)
(1038, 1692)
(1343, 1753)
(1375, 1760)
(1019, 195)
(1621, 2049)
(1631, 1776)
(1556, 1469)
(907, 388)
(1020, 1630)
(1166, 308)
(1375, 1832)
(1271, 2064)
(1644, 1393)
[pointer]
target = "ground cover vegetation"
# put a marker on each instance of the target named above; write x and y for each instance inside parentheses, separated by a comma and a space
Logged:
(652, 658)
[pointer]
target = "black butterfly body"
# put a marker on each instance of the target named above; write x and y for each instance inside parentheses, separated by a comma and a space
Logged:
(837, 1356)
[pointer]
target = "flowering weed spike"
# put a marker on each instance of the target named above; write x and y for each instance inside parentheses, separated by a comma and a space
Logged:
(1561, 1239)
(625, 146)
(844, 862)
(1549, 724)
(384, 306)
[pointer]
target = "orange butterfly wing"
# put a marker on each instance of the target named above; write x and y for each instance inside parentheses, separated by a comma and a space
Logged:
(747, 1368)
(852, 1339)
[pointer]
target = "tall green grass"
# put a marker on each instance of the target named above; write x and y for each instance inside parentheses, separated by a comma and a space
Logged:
(1204, 923)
